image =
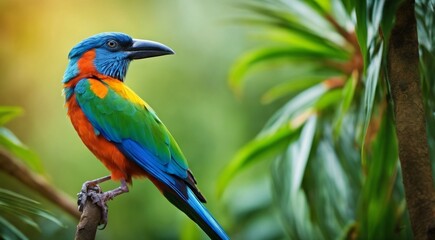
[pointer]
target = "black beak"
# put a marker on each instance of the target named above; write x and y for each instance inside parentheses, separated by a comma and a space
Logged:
(146, 49)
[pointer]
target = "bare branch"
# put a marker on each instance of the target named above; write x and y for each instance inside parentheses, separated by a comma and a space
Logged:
(19, 171)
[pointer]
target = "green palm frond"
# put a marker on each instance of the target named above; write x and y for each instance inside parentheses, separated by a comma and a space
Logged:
(335, 171)
(12, 144)
(22, 210)
(8, 113)
(16, 210)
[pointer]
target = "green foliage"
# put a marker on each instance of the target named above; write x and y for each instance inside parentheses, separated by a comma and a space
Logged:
(15, 209)
(337, 174)
(12, 144)
(20, 209)
(255, 150)
(8, 113)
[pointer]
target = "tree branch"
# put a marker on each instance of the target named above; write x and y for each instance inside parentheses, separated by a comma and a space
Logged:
(89, 221)
(19, 171)
(403, 71)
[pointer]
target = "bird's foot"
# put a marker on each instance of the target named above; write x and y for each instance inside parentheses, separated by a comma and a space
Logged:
(89, 186)
(97, 197)
(85, 192)
(100, 200)
(91, 190)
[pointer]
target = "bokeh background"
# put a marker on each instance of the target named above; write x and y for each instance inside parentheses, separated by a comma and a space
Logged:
(189, 92)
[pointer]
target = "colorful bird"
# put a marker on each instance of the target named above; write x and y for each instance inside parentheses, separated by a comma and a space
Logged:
(123, 131)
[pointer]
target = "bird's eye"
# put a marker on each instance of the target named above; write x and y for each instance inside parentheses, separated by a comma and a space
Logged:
(112, 44)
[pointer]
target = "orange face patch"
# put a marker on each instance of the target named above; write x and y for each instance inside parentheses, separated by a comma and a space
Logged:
(86, 62)
(98, 88)
(86, 68)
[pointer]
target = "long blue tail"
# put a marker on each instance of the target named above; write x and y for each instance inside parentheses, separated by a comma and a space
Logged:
(174, 189)
(193, 208)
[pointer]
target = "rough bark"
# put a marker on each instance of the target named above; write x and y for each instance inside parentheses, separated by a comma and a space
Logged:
(403, 71)
(19, 171)
(89, 221)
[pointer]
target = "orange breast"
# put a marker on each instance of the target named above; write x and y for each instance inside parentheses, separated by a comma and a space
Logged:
(119, 166)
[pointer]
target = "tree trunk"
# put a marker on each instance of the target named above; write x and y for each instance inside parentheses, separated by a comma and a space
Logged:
(403, 71)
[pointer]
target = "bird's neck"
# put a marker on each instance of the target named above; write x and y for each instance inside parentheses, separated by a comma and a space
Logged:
(88, 64)
(78, 69)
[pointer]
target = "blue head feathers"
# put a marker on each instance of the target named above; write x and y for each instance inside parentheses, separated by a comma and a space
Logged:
(101, 41)
(110, 57)
(113, 53)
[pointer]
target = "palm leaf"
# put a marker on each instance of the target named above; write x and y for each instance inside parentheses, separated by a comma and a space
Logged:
(21, 209)
(373, 73)
(318, 170)
(12, 201)
(296, 110)
(292, 86)
(12, 144)
(279, 53)
(280, 17)
(256, 150)
(8, 113)
(378, 207)
(9, 231)
(348, 94)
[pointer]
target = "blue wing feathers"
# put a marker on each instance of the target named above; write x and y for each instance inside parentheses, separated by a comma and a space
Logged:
(148, 161)
(179, 193)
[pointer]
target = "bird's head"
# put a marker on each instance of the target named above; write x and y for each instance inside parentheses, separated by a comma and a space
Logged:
(109, 54)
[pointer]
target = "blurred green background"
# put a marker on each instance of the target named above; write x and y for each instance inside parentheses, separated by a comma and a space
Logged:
(189, 92)
(324, 166)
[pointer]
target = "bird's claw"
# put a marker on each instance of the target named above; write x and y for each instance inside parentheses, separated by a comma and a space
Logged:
(91, 190)
(98, 197)
(85, 192)
(100, 200)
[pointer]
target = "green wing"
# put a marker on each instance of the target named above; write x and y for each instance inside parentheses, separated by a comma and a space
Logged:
(119, 119)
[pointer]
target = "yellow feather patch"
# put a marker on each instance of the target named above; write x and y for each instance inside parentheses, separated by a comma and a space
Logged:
(124, 91)
(98, 88)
